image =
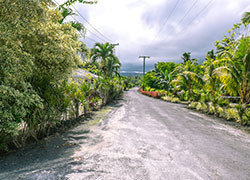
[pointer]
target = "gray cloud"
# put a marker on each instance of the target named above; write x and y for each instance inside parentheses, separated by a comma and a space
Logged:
(135, 24)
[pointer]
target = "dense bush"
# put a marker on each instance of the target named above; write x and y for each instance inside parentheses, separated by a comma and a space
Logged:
(36, 52)
(37, 55)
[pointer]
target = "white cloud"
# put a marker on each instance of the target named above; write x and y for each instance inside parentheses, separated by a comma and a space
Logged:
(136, 23)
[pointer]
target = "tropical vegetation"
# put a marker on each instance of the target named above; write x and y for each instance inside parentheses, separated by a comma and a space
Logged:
(39, 51)
(220, 85)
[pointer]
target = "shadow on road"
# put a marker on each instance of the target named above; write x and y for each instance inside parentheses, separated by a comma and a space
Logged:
(52, 157)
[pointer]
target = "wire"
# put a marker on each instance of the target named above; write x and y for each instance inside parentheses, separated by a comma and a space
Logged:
(167, 19)
(91, 39)
(90, 31)
(91, 24)
(188, 11)
(190, 22)
(200, 12)
(85, 28)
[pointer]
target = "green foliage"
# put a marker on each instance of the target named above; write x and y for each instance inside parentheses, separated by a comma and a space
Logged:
(220, 111)
(231, 114)
(245, 120)
(187, 79)
(165, 66)
(186, 57)
(202, 107)
(193, 105)
(211, 109)
(225, 72)
(130, 82)
(16, 106)
(104, 58)
(246, 18)
(222, 102)
(150, 80)
(71, 2)
(171, 99)
(175, 100)
(36, 53)
(233, 63)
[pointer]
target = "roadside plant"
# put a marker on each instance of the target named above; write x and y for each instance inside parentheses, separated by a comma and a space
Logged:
(193, 105)
(232, 114)
(220, 111)
(187, 79)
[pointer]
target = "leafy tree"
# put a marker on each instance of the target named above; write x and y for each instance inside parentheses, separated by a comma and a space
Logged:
(163, 66)
(113, 66)
(246, 18)
(36, 54)
(108, 62)
(211, 81)
(234, 74)
(186, 57)
(187, 79)
(150, 80)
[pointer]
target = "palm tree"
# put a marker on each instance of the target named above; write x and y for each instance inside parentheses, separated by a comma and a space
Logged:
(113, 65)
(186, 78)
(210, 79)
(235, 73)
(108, 62)
(84, 52)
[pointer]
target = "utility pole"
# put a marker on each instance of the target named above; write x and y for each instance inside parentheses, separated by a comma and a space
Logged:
(144, 58)
(116, 44)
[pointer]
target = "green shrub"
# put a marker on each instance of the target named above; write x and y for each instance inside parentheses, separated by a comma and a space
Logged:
(211, 109)
(167, 98)
(223, 102)
(232, 114)
(171, 99)
(199, 106)
(147, 88)
(36, 53)
(193, 105)
(220, 111)
(204, 108)
(245, 120)
(205, 98)
(175, 100)
(152, 89)
(16, 106)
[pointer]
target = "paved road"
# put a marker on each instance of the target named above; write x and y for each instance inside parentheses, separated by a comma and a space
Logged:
(141, 139)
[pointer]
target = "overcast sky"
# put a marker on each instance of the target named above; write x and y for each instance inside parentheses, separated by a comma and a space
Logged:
(162, 29)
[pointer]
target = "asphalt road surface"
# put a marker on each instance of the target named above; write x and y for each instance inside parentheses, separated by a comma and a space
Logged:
(140, 139)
